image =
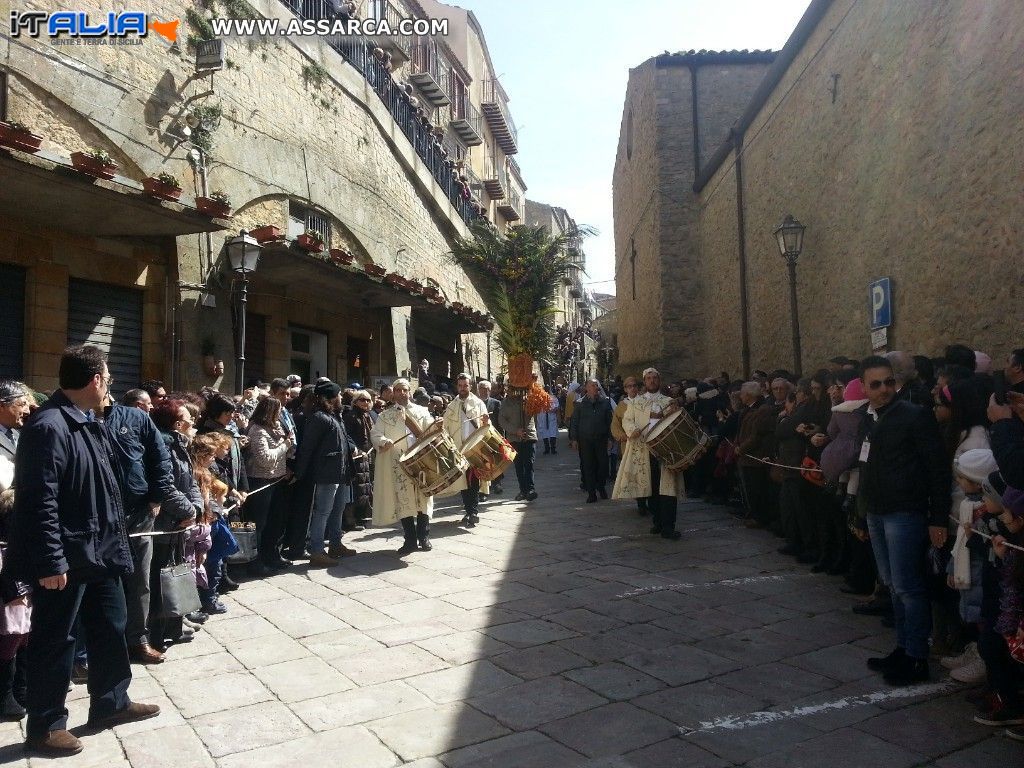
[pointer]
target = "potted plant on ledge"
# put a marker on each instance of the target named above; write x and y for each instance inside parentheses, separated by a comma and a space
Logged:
(17, 135)
(162, 187)
(342, 256)
(374, 270)
(217, 205)
(96, 163)
(266, 233)
(310, 242)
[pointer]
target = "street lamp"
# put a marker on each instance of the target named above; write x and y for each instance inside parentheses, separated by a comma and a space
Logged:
(790, 236)
(243, 253)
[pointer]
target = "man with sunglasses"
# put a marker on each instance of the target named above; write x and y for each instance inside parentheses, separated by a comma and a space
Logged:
(905, 482)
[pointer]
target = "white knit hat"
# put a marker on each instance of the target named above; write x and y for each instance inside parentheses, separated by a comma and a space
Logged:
(976, 464)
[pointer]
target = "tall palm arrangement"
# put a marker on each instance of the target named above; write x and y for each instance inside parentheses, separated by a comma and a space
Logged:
(518, 274)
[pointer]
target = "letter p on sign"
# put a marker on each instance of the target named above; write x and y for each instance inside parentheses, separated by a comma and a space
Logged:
(880, 297)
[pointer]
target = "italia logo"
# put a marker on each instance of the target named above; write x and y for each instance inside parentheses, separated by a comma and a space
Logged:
(78, 24)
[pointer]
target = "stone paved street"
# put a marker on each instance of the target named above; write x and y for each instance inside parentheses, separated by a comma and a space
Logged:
(555, 633)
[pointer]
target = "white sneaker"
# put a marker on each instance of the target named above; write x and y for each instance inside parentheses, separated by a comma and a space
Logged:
(971, 672)
(952, 662)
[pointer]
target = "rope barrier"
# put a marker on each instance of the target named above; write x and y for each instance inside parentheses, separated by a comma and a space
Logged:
(986, 536)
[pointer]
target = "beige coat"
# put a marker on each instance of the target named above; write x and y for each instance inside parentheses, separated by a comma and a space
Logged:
(633, 480)
(395, 495)
(458, 429)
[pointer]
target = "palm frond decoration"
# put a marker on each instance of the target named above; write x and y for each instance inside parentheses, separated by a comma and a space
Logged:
(518, 274)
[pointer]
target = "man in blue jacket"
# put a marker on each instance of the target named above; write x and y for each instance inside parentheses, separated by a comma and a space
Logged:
(147, 489)
(69, 540)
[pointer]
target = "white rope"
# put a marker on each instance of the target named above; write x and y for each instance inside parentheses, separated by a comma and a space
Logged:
(986, 536)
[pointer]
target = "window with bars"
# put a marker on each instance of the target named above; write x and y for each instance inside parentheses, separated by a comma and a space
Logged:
(302, 219)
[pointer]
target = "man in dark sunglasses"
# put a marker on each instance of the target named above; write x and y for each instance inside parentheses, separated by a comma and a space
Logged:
(905, 482)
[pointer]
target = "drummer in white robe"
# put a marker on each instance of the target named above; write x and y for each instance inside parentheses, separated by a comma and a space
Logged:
(641, 475)
(463, 416)
(395, 495)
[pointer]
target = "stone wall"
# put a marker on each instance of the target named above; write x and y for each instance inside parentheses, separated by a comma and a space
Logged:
(912, 171)
(656, 212)
(325, 140)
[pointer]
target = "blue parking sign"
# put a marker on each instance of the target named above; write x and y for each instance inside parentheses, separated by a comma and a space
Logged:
(880, 303)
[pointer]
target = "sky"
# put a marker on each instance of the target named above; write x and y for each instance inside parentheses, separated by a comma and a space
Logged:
(565, 65)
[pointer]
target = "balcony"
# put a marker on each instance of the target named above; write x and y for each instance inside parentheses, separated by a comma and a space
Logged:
(358, 51)
(430, 73)
(467, 123)
(576, 289)
(398, 46)
(511, 207)
(495, 179)
(496, 112)
(476, 186)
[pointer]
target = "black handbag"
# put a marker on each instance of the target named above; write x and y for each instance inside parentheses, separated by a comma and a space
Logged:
(179, 595)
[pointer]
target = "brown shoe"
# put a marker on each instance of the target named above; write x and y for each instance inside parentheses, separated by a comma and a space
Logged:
(55, 744)
(321, 560)
(145, 654)
(130, 714)
(340, 550)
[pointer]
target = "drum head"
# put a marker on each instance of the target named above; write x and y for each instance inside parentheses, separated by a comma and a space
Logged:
(475, 437)
(420, 447)
(662, 426)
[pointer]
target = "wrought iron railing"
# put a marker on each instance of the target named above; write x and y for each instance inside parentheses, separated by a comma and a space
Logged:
(427, 58)
(495, 170)
(384, 10)
(492, 95)
(514, 201)
(463, 109)
(358, 52)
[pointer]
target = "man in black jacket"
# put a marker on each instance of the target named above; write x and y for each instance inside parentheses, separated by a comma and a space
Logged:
(905, 481)
(69, 538)
(590, 432)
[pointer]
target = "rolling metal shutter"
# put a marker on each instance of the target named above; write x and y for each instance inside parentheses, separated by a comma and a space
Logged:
(12, 321)
(111, 319)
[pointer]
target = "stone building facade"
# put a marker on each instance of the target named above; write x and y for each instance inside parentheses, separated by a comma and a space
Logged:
(892, 131)
(305, 136)
(677, 109)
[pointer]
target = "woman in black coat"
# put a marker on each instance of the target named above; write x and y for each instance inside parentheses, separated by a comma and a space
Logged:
(358, 423)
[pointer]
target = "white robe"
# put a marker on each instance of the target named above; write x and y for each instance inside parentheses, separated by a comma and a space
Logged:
(461, 419)
(633, 480)
(395, 495)
(547, 422)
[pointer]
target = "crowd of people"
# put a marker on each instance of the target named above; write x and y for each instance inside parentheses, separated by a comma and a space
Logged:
(904, 475)
(106, 506)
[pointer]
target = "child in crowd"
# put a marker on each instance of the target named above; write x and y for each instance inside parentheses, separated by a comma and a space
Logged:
(205, 450)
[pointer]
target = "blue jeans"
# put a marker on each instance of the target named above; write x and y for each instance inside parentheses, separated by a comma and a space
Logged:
(329, 500)
(900, 543)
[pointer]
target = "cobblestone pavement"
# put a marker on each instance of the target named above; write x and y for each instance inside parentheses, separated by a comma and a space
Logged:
(555, 633)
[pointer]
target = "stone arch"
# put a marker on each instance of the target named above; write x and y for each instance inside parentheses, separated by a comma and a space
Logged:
(65, 127)
(274, 209)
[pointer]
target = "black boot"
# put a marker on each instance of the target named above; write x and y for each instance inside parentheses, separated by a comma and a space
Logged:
(409, 527)
(227, 584)
(10, 709)
(423, 532)
(349, 521)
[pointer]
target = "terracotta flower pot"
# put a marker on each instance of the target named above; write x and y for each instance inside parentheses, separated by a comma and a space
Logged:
(213, 208)
(393, 278)
(341, 256)
(374, 270)
(414, 287)
(309, 243)
(156, 188)
(90, 166)
(266, 233)
(26, 141)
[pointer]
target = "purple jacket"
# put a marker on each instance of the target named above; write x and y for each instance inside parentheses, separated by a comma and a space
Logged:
(843, 449)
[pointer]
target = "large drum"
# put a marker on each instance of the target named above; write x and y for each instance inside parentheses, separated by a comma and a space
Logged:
(676, 440)
(433, 462)
(488, 452)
